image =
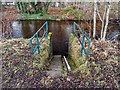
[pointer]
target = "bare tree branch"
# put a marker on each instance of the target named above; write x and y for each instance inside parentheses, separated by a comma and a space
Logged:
(102, 29)
(98, 13)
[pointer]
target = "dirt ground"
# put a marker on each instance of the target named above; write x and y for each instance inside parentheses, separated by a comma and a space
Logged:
(19, 72)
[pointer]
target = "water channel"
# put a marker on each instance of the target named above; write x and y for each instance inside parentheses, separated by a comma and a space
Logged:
(60, 32)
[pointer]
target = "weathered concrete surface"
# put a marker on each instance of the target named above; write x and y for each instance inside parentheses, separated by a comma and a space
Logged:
(55, 68)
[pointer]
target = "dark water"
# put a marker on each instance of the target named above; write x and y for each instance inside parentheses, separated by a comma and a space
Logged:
(60, 32)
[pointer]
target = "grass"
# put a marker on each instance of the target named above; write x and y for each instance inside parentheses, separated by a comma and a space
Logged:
(30, 16)
(73, 12)
(78, 63)
(64, 73)
(83, 65)
(83, 68)
(35, 16)
(69, 12)
(41, 59)
(71, 63)
(71, 37)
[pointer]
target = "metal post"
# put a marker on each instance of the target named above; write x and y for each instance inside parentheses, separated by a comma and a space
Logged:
(38, 47)
(31, 46)
(74, 29)
(37, 40)
(83, 40)
(89, 45)
(46, 29)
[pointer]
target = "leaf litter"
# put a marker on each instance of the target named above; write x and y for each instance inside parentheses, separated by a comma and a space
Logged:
(21, 69)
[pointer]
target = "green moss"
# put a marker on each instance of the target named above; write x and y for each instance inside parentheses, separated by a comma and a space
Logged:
(35, 16)
(40, 63)
(83, 69)
(80, 63)
(30, 16)
(82, 59)
(71, 63)
(71, 37)
(64, 74)
(41, 58)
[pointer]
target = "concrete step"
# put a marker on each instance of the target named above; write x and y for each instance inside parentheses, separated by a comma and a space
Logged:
(55, 68)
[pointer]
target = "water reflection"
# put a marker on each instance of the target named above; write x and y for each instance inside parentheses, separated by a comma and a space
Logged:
(17, 28)
(60, 32)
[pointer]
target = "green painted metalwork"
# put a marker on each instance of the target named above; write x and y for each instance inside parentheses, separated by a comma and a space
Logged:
(38, 42)
(84, 36)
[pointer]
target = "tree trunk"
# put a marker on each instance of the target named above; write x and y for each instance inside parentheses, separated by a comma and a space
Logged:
(94, 18)
(107, 21)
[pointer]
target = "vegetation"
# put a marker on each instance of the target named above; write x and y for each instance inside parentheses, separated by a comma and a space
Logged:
(32, 7)
(25, 16)
(103, 58)
(17, 58)
(42, 58)
(79, 62)
(20, 69)
(73, 12)
(104, 19)
(32, 10)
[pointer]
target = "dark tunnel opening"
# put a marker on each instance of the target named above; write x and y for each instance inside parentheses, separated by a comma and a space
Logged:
(60, 38)
(61, 49)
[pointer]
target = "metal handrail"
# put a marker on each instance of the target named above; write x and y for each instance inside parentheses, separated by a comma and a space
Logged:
(45, 34)
(83, 40)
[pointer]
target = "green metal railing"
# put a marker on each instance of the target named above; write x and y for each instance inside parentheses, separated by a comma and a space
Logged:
(84, 36)
(38, 42)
